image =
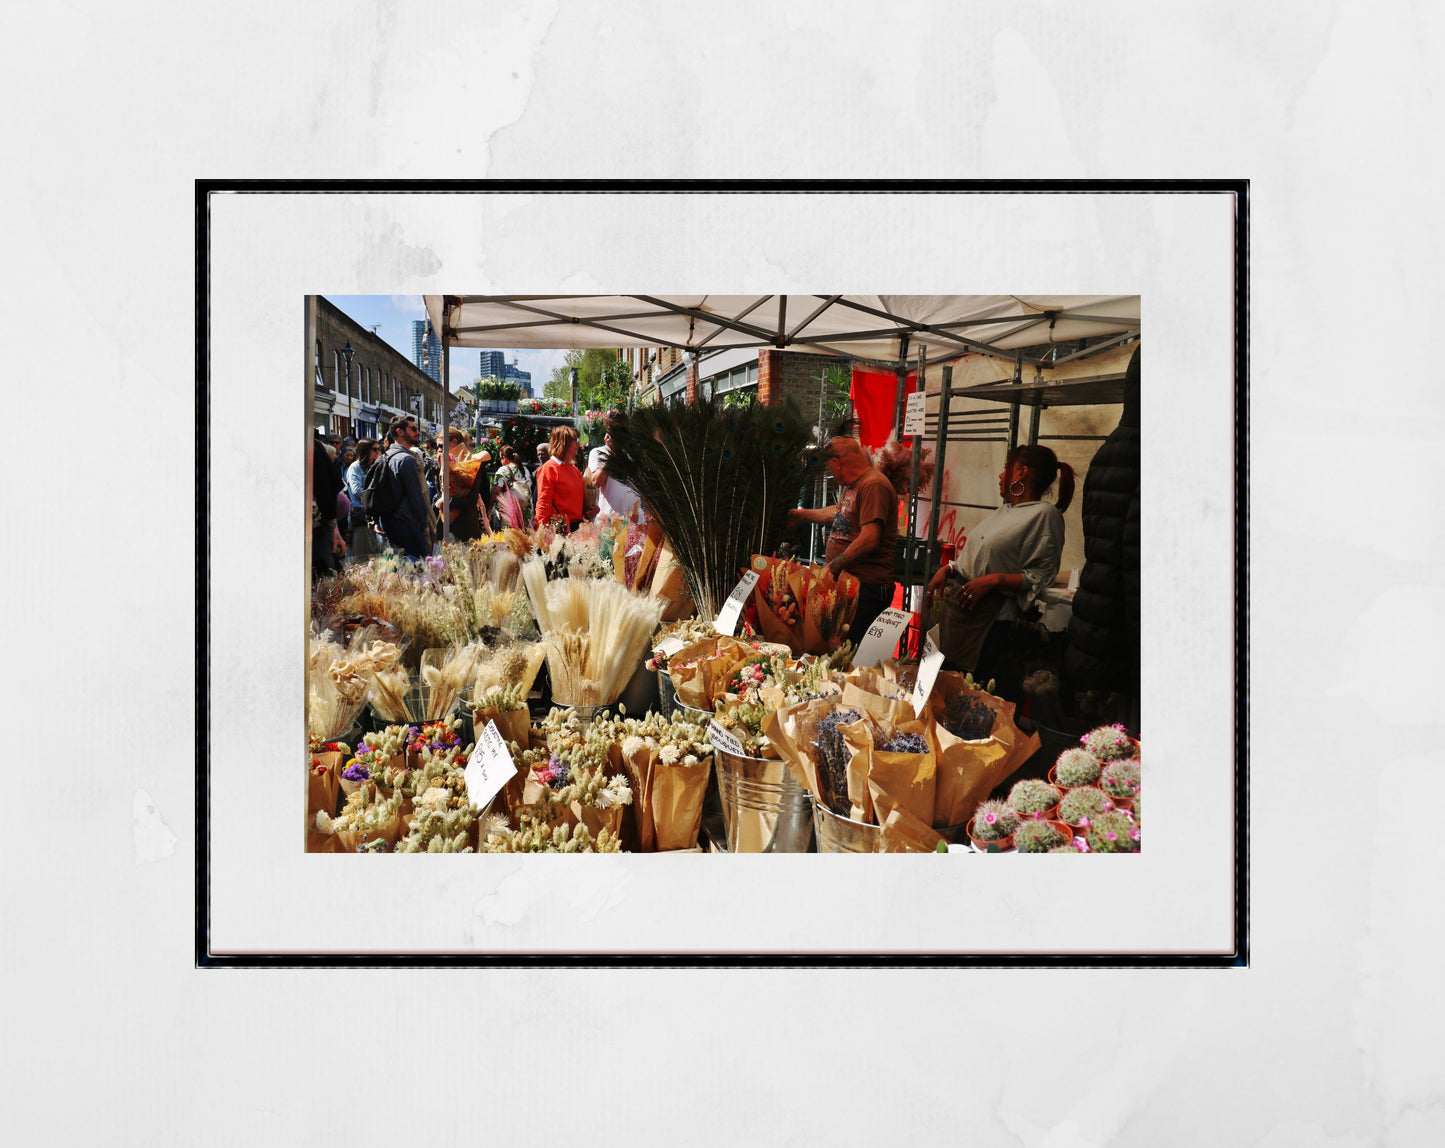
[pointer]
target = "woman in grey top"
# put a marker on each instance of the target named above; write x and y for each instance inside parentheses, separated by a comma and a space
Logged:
(1006, 562)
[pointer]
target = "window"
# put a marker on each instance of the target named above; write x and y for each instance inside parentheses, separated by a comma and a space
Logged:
(336, 371)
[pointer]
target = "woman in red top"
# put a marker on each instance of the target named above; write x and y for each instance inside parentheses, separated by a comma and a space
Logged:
(559, 482)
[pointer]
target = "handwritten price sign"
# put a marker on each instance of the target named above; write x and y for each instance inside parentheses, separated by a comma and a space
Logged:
(724, 742)
(915, 413)
(489, 768)
(927, 672)
(881, 637)
(732, 609)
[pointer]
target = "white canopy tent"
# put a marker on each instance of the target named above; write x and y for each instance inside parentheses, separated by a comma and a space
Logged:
(890, 331)
(871, 328)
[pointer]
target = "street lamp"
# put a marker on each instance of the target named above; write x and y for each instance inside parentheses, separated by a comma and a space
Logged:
(346, 353)
(572, 376)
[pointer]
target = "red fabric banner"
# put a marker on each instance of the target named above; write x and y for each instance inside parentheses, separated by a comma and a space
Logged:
(875, 398)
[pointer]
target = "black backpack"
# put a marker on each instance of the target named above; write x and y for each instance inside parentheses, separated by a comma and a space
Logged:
(377, 495)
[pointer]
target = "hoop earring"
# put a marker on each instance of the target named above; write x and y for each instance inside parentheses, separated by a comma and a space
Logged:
(1016, 487)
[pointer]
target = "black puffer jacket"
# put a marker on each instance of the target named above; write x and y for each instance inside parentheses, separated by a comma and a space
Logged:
(1103, 650)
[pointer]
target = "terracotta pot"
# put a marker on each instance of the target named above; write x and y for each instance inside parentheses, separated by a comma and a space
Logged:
(997, 845)
(1123, 804)
(1049, 814)
(1063, 828)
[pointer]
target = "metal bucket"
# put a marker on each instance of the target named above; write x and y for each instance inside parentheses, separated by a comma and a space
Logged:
(764, 809)
(837, 834)
(702, 717)
(666, 695)
(640, 693)
(585, 714)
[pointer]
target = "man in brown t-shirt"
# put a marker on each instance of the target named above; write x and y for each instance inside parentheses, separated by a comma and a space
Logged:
(864, 530)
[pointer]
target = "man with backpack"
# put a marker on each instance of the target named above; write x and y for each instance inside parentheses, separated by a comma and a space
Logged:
(394, 494)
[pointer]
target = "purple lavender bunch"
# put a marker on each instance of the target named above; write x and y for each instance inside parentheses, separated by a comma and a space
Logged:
(832, 757)
(968, 716)
(905, 743)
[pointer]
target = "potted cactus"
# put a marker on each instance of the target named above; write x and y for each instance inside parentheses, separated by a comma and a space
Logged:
(1075, 767)
(1120, 780)
(1108, 742)
(992, 826)
(1113, 832)
(1081, 805)
(1033, 799)
(1041, 836)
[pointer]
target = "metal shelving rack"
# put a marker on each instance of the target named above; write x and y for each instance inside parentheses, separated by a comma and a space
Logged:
(918, 558)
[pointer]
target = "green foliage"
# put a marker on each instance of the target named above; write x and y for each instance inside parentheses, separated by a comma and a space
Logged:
(1005, 821)
(523, 435)
(1114, 832)
(604, 380)
(1120, 779)
(837, 394)
(1037, 837)
(1077, 767)
(1031, 796)
(1086, 801)
(720, 483)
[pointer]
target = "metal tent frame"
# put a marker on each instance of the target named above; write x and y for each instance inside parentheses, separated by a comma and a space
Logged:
(893, 332)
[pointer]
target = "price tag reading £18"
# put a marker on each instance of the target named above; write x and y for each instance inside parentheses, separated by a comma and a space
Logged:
(489, 768)
(881, 637)
(927, 672)
(727, 617)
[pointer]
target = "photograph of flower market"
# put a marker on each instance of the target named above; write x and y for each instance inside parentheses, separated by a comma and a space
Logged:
(724, 574)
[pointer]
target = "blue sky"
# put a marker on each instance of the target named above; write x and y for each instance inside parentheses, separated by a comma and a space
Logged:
(393, 314)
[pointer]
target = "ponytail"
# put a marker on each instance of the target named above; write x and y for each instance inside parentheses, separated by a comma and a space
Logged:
(1066, 487)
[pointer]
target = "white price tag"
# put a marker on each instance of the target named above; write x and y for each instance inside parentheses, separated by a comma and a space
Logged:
(878, 642)
(927, 672)
(634, 552)
(724, 742)
(727, 617)
(915, 411)
(670, 646)
(489, 768)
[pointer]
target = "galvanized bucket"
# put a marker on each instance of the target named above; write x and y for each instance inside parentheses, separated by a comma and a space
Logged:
(764, 809)
(666, 695)
(837, 834)
(640, 693)
(702, 717)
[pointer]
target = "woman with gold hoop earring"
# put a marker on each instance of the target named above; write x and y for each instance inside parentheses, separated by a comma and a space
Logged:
(1006, 562)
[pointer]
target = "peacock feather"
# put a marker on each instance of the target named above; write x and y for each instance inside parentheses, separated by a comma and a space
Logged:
(720, 483)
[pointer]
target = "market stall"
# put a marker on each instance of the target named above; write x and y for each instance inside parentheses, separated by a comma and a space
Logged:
(677, 686)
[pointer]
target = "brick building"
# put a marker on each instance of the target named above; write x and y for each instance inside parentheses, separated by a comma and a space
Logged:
(774, 376)
(384, 382)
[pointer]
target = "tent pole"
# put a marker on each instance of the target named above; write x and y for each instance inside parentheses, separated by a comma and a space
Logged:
(917, 448)
(902, 380)
(1013, 409)
(446, 421)
(940, 448)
